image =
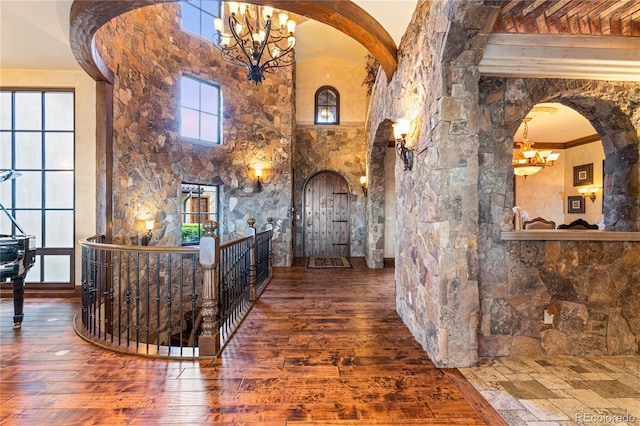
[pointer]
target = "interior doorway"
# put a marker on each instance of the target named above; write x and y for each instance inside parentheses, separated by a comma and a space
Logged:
(326, 215)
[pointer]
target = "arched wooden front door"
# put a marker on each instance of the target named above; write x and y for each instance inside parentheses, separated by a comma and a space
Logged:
(326, 215)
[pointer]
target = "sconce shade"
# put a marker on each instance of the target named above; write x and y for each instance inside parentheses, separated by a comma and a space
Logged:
(590, 191)
(363, 183)
(258, 172)
(148, 224)
(401, 128)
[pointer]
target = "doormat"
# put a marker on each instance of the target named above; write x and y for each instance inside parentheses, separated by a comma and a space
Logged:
(328, 262)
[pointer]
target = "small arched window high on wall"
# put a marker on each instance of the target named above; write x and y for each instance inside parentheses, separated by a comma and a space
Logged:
(327, 106)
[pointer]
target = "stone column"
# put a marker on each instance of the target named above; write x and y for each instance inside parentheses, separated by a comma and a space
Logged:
(251, 232)
(209, 341)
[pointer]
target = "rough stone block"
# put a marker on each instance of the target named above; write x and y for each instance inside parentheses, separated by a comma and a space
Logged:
(525, 346)
(572, 318)
(498, 345)
(620, 339)
(554, 342)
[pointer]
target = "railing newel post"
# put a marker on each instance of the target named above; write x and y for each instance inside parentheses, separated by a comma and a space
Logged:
(269, 227)
(251, 232)
(209, 340)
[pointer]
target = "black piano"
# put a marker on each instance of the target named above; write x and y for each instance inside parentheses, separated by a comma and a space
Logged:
(17, 256)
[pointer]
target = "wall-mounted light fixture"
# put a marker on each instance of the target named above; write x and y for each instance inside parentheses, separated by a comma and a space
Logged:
(363, 183)
(400, 131)
(148, 224)
(589, 191)
(259, 182)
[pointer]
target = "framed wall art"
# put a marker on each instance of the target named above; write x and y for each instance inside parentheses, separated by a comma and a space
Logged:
(583, 175)
(575, 204)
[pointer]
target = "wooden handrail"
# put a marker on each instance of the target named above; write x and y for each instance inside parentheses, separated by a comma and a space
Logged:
(144, 249)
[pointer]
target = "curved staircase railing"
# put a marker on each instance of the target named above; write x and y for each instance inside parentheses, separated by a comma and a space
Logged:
(163, 302)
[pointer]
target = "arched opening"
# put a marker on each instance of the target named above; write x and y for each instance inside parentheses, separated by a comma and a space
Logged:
(87, 17)
(610, 115)
(521, 277)
(379, 211)
(553, 190)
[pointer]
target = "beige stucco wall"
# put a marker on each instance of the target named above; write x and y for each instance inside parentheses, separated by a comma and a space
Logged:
(545, 193)
(542, 194)
(85, 161)
(345, 76)
(585, 154)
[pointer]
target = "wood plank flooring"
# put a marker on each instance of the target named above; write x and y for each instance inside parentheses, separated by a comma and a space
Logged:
(321, 346)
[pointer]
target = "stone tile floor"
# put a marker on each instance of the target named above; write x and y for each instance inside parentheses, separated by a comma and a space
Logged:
(561, 390)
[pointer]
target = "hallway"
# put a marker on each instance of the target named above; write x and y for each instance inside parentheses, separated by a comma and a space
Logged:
(319, 347)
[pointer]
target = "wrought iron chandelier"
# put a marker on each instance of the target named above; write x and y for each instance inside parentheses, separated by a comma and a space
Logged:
(528, 161)
(249, 33)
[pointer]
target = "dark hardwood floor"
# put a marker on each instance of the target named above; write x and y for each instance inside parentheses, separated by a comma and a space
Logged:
(320, 347)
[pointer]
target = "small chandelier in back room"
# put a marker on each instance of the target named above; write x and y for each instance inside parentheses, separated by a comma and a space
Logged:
(249, 33)
(528, 161)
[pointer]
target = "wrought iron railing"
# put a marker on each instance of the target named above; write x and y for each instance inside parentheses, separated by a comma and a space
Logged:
(162, 301)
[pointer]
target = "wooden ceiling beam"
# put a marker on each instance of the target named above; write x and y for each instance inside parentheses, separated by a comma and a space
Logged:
(87, 16)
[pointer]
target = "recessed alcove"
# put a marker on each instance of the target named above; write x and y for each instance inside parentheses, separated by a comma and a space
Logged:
(545, 194)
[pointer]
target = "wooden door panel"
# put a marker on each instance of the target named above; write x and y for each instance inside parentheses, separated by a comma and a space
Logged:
(203, 208)
(326, 226)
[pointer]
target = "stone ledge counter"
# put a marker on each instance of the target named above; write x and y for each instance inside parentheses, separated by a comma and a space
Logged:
(569, 235)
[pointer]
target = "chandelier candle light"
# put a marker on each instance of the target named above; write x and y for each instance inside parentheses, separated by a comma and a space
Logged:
(249, 33)
(528, 161)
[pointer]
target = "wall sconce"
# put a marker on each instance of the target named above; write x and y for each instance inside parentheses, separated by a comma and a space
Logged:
(400, 130)
(259, 183)
(148, 224)
(363, 183)
(591, 191)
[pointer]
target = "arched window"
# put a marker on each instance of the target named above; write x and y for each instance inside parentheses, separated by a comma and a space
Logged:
(327, 106)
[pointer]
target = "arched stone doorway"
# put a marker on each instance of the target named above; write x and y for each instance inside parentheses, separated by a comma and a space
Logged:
(375, 208)
(326, 215)
(519, 280)
(604, 104)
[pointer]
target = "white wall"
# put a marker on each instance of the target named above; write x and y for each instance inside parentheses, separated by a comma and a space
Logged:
(585, 154)
(85, 164)
(545, 193)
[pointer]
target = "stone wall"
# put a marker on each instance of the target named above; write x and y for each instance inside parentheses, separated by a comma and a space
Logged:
(457, 199)
(584, 283)
(148, 53)
(436, 86)
(591, 288)
(341, 149)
